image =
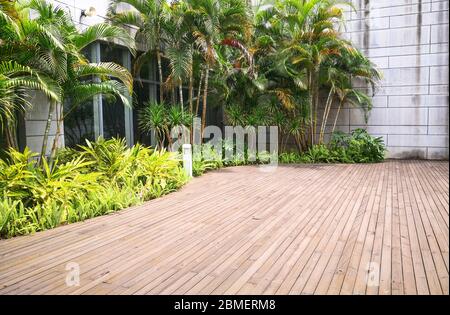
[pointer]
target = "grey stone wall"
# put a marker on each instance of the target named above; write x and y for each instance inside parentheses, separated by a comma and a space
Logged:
(36, 121)
(408, 40)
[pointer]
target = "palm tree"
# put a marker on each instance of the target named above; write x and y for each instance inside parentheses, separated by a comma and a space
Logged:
(214, 21)
(16, 79)
(63, 60)
(355, 67)
(312, 38)
(179, 49)
(147, 17)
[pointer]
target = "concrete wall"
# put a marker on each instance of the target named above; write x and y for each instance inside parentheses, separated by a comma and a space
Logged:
(36, 121)
(408, 40)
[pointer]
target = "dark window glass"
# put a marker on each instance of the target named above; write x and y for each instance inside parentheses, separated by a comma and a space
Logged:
(79, 120)
(142, 96)
(78, 123)
(113, 110)
(145, 71)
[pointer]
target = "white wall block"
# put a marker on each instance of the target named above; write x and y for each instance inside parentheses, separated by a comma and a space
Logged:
(438, 48)
(406, 76)
(407, 153)
(418, 101)
(439, 34)
(35, 143)
(438, 116)
(37, 127)
(418, 141)
(394, 37)
(395, 130)
(438, 130)
(415, 85)
(439, 89)
(379, 101)
(439, 75)
(421, 60)
(402, 50)
(407, 116)
(404, 90)
(437, 153)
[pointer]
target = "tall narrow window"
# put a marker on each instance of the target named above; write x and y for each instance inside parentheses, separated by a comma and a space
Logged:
(79, 120)
(113, 110)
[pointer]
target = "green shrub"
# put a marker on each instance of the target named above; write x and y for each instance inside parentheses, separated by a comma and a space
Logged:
(96, 179)
(205, 158)
(319, 154)
(289, 158)
(360, 146)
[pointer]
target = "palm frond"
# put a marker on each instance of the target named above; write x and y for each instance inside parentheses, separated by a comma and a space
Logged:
(103, 31)
(106, 69)
(86, 91)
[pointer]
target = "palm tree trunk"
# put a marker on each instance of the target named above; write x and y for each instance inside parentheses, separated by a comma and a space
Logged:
(10, 134)
(191, 90)
(311, 109)
(173, 95)
(181, 97)
(199, 93)
(316, 103)
(47, 130)
(326, 112)
(205, 97)
(161, 81)
(298, 144)
(59, 119)
(337, 115)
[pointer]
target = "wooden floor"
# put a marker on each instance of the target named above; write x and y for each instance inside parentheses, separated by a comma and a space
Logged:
(309, 229)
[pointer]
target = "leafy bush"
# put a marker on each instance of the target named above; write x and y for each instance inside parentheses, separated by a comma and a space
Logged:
(205, 158)
(360, 146)
(96, 179)
(319, 154)
(293, 157)
(161, 118)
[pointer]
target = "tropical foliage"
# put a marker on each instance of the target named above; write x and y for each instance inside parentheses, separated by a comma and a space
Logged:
(46, 54)
(359, 147)
(281, 63)
(98, 178)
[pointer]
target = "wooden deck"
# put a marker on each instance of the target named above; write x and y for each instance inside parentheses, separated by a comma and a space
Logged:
(309, 229)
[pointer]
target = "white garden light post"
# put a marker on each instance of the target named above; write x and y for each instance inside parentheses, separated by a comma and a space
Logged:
(187, 159)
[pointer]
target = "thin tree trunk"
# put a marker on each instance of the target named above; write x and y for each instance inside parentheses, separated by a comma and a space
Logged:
(59, 119)
(326, 112)
(181, 97)
(205, 97)
(199, 93)
(326, 118)
(316, 103)
(161, 81)
(337, 115)
(47, 130)
(297, 144)
(191, 100)
(191, 90)
(173, 95)
(10, 135)
(311, 109)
